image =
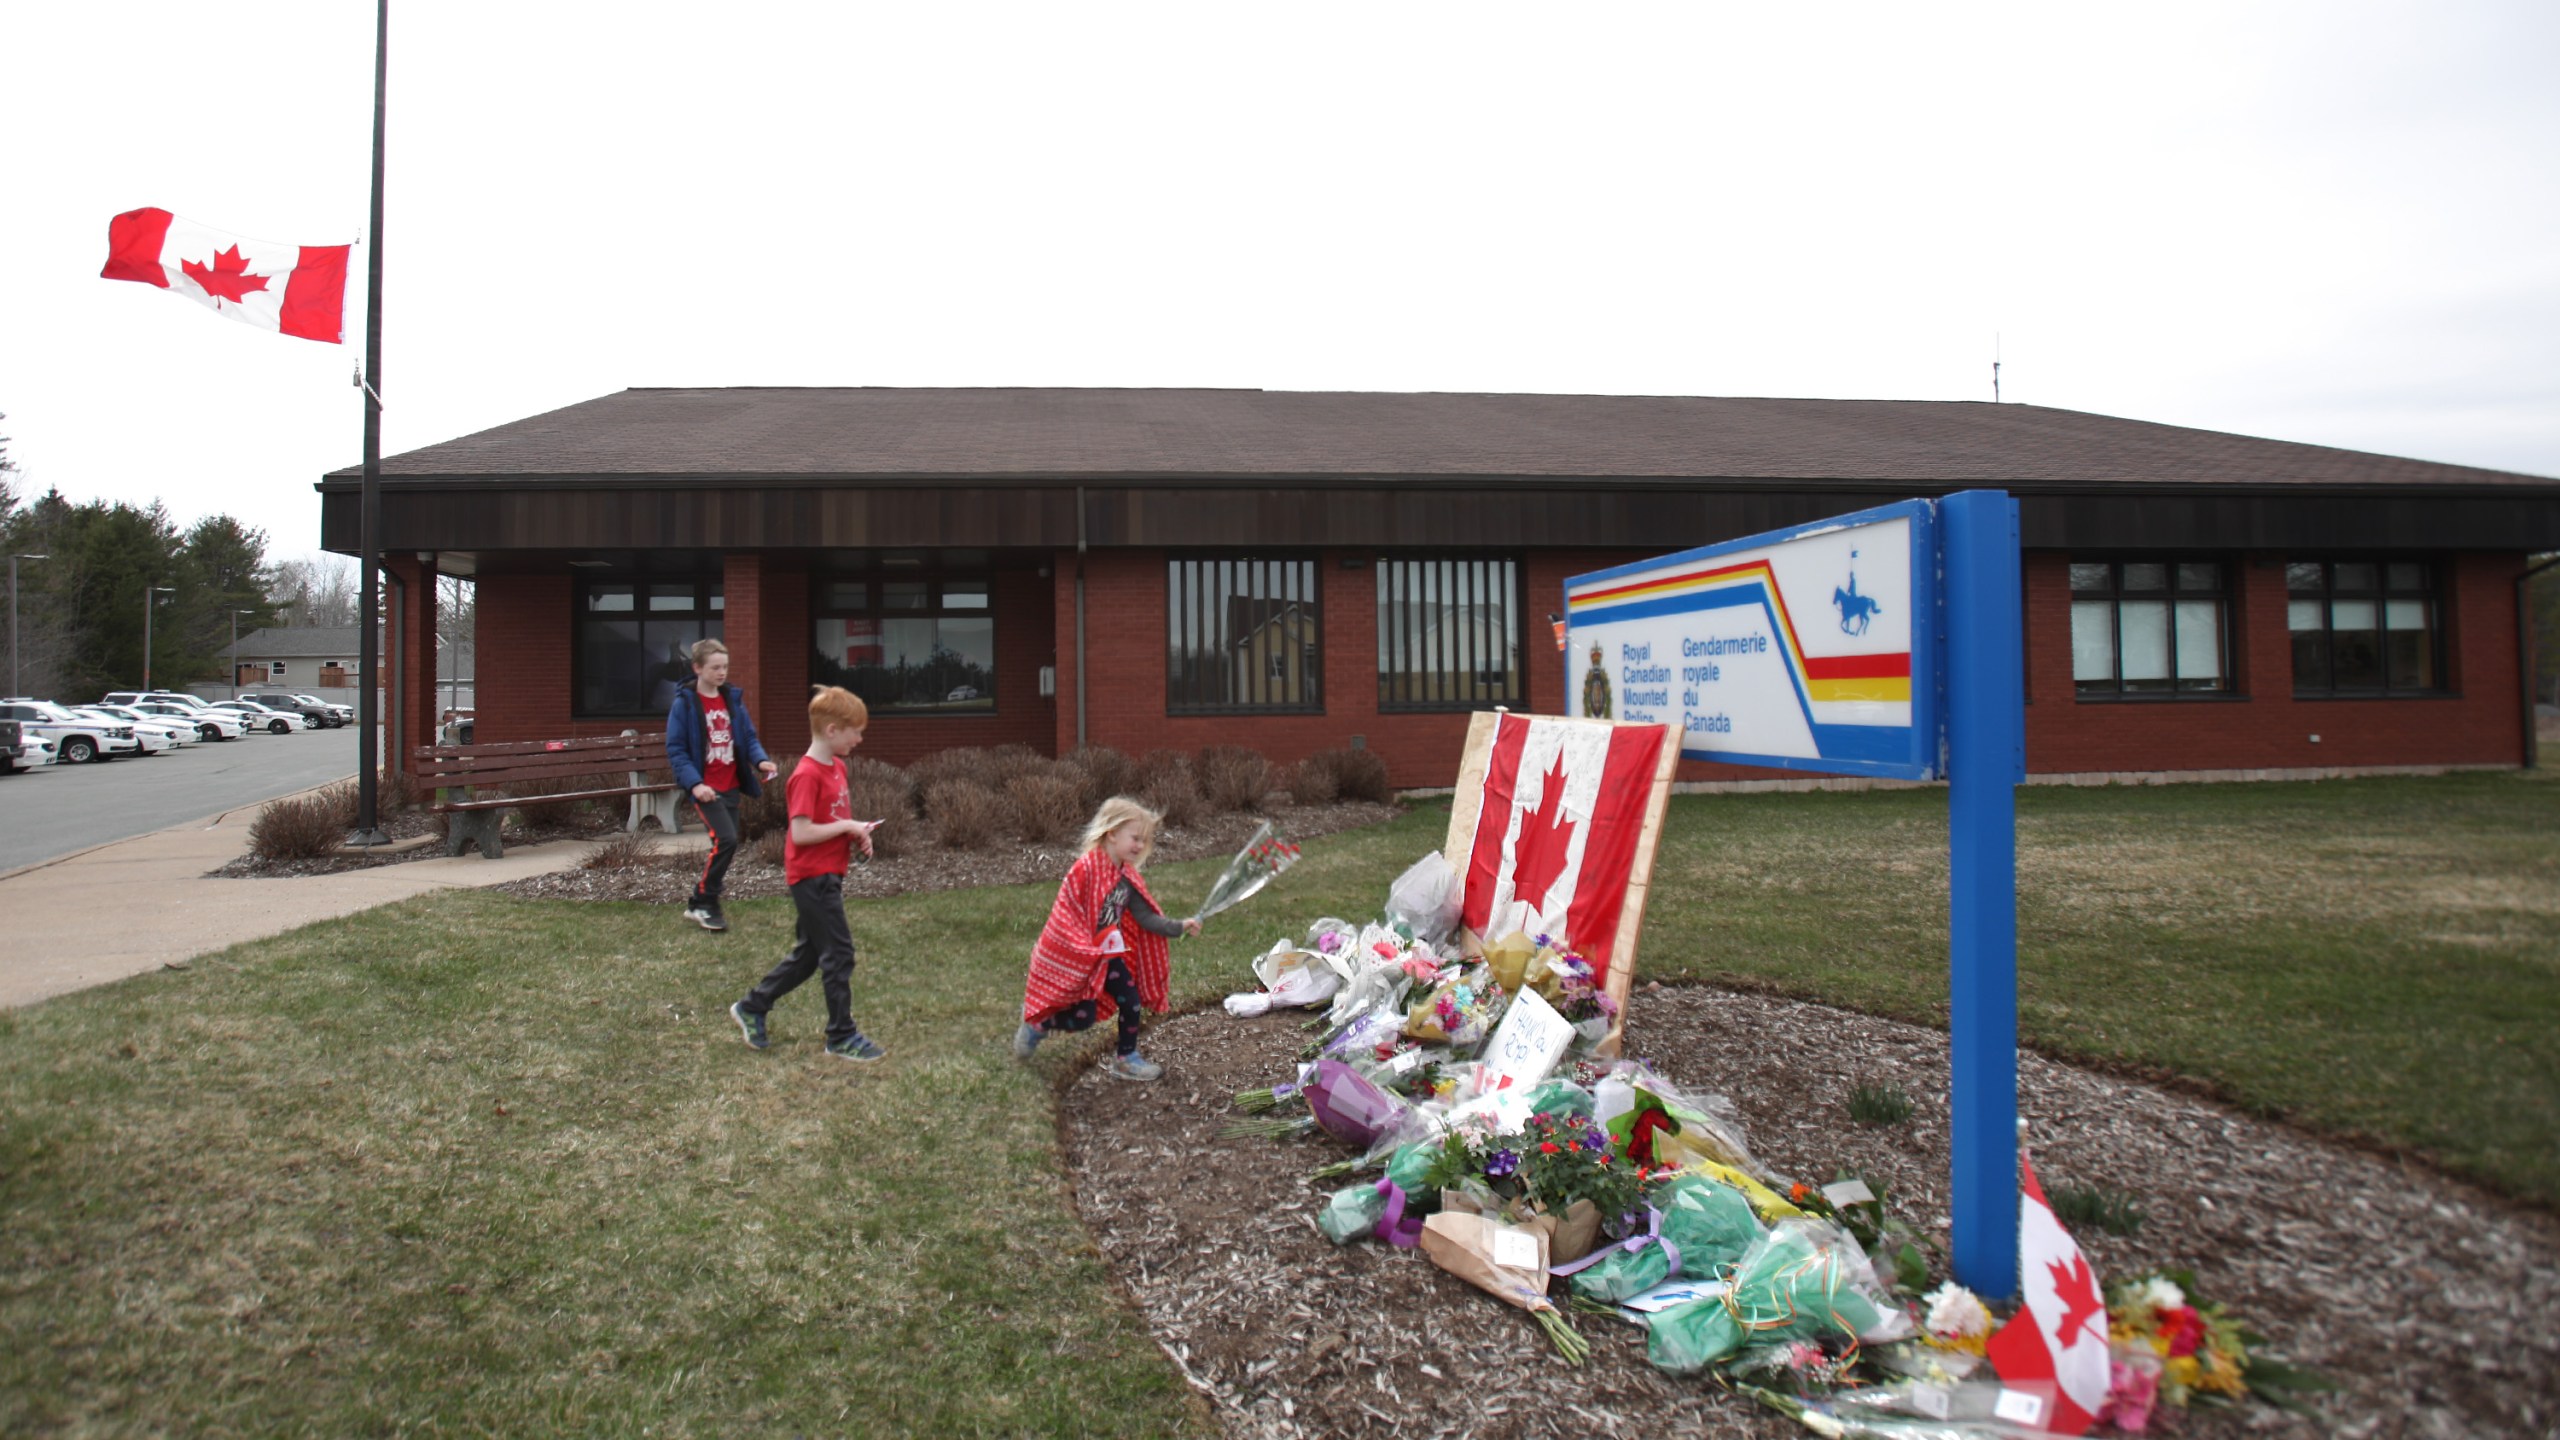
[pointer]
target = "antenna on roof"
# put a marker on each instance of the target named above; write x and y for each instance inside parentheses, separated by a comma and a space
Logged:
(1995, 367)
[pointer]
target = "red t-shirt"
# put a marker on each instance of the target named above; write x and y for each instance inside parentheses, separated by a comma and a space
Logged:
(720, 757)
(822, 793)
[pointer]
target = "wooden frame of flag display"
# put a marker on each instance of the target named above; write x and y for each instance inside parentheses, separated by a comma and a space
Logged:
(1623, 805)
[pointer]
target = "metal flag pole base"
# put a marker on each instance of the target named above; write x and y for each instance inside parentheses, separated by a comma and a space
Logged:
(367, 839)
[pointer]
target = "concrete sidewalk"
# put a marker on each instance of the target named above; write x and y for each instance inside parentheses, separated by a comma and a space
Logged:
(136, 905)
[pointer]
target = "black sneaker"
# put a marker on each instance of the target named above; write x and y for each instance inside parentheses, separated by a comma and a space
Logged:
(856, 1046)
(706, 913)
(750, 1022)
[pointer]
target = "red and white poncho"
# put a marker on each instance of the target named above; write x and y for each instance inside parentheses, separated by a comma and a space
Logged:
(1068, 964)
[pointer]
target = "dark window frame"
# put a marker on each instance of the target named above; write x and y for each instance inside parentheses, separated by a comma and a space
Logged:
(1193, 624)
(1452, 674)
(2223, 594)
(875, 571)
(705, 611)
(2380, 594)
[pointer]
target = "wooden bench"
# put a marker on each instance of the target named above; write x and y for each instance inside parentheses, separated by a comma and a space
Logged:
(461, 772)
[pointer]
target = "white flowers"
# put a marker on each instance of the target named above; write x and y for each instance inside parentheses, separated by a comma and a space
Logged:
(1956, 1313)
(2159, 1292)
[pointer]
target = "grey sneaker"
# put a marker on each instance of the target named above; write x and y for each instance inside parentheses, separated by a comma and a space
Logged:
(706, 913)
(856, 1046)
(1134, 1066)
(1025, 1040)
(751, 1023)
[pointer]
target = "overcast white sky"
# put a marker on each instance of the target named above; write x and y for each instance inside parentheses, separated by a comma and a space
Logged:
(2334, 222)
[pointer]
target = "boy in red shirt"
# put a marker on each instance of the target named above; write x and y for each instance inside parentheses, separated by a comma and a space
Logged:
(814, 857)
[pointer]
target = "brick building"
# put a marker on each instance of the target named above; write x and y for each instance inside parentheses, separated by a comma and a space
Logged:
(1292, 571)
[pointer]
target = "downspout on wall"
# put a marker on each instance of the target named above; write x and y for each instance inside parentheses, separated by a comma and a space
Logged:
(2524, 660)
(399, 672)
(1080, 740)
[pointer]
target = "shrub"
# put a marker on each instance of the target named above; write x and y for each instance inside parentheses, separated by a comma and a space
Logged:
(1048, 804)
(768, 813)
(2104, 1206)
(966, 814)
(1106, 773)
(304, 827)
(1167, 786)
(1314, 781)
(1007, 763)
(628, 850)
(1349, 774)
(1232, 778)
(942, 766)
(768, 848)
(1879, 1105)
(882, 792)
(394, 789)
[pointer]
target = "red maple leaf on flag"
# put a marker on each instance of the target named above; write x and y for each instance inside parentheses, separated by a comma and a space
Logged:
(2076, 1286)
(1546, 837)
(227, 278)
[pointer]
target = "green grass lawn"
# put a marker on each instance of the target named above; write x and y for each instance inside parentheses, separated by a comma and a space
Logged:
(477, 1165)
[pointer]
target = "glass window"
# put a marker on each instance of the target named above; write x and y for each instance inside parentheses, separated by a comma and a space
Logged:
(2149, 627)
(1244, 633)
(1449, 633)
(921, 641)
(632, 660)
(2364, 627)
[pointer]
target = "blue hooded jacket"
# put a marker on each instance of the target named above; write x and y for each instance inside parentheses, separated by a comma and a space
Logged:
(689, 740)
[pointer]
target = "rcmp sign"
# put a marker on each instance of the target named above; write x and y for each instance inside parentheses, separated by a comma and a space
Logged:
(1805, 649)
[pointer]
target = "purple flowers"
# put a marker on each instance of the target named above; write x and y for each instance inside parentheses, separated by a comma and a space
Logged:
(1502, 1162)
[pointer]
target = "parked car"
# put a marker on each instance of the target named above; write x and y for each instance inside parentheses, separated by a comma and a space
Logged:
(346, 713)
(179, 733)
(317, 712)
(210, 723)
(274, 721)
(75, 741)
(12, 744)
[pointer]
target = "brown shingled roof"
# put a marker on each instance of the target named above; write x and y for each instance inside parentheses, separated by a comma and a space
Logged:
(1313, 435)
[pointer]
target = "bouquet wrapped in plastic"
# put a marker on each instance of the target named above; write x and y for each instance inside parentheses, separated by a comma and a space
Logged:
(1804, 1280)
(1262, 858)
(1391, 1207)
(1695, 1226)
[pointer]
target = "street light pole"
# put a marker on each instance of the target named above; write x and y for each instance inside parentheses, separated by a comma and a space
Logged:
(147, 607)
(235, 650)
(14, 688)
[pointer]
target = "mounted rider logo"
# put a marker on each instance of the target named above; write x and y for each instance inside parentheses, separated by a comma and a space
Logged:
(1855, 609)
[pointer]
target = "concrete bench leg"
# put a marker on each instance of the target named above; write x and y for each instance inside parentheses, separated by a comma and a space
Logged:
(664, 805)
(467, 826)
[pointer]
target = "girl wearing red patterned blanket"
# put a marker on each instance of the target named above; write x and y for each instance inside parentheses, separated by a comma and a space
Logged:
(1103, 951)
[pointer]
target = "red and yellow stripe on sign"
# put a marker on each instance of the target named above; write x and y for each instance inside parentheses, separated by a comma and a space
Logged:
(1840, 677)
(1858, 677)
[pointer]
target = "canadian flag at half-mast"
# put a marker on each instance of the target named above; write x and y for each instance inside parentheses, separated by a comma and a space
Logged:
(1564, 804)
(2055, 1348)
(297, 289)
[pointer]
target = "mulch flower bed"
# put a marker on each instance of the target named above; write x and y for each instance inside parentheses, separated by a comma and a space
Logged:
(2433, 1305)
(928, 867)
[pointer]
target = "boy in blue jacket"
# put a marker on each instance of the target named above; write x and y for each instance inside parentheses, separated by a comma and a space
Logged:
(712, 747)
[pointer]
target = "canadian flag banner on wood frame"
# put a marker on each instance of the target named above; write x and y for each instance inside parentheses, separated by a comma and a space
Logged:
(2055, 1347)
(295, 289)
(1555, 841)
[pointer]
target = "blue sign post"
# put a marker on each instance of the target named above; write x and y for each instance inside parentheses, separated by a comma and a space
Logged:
(1882, 643)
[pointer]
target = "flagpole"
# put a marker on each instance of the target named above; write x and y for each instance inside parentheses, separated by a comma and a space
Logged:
(369, 523)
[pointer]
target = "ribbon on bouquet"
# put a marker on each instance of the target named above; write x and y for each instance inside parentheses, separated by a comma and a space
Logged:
(1394, 1226)
(1651, 1236)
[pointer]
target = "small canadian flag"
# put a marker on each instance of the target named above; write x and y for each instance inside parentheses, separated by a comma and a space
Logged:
(295, 289)
(2053, 1352)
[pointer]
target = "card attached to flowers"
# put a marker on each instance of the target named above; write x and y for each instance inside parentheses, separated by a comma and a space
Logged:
(1529, 1041)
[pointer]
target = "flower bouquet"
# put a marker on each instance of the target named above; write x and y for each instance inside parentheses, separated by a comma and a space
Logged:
(1505, 1261)
(1263, 857)
(1695, 1226)
(2173, 1348)
(1798, 1282)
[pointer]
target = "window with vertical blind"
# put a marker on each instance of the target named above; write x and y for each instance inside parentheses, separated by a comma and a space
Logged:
(1244, 635)
(634, 642)
(2150, 628)
(1449, 633)
(2364, 627)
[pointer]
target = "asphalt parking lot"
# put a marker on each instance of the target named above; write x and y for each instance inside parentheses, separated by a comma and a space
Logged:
(55, 810)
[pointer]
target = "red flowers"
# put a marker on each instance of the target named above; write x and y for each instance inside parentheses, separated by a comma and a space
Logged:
(2183, 1328)
(1547, 1147)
